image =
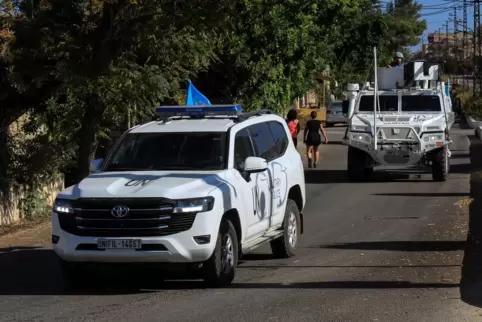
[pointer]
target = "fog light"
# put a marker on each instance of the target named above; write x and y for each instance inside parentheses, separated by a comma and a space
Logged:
(55, 239)
(202, 240)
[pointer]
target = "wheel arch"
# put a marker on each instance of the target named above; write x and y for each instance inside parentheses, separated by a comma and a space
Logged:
(233, 216)
(296, 195)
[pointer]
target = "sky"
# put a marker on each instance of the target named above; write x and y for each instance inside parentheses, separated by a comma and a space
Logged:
(438, 12)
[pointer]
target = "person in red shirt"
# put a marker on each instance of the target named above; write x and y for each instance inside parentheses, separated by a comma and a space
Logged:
(293, 125)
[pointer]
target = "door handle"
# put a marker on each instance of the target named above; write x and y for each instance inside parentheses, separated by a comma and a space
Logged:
(283, 169)
(263, 178)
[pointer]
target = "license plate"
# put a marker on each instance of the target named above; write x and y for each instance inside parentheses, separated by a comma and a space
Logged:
(119, 244)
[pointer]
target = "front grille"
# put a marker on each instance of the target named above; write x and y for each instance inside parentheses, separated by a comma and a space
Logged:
(146, 217)
(397, 119)
(398, 134)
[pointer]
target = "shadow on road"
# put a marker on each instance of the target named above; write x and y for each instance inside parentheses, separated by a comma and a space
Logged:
(346, 266)
(34, 272)
(424, 194)
(345, 285)
(471, 282)
(30, 271)
(461, 168)
(403, 246)
(315, 176)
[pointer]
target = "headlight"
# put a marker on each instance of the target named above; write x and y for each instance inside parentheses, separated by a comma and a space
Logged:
(360, 128)
(194, 205)
(360, 137)
(63, 207)
(433, 137)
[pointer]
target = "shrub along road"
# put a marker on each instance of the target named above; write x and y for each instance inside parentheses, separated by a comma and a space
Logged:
(388, 250)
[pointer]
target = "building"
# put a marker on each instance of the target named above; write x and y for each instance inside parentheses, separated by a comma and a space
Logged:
(441, 44)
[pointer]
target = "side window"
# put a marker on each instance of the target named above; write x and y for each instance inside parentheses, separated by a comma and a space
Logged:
(242, 149)
(280, 137)
(263, 141)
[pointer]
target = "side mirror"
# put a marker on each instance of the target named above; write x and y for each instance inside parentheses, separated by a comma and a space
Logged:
(255, 165)
(345, 106)
(96, 164)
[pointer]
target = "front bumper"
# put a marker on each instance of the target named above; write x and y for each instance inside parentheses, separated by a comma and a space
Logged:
(397, 151)
(176, 248)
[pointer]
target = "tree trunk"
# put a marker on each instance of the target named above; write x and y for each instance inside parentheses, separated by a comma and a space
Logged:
(88, 135)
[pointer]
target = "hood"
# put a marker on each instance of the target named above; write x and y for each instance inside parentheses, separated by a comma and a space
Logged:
(145, 184)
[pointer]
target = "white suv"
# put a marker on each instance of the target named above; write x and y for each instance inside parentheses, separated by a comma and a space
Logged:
(201, 186)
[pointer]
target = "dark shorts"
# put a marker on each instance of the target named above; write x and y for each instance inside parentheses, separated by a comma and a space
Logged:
(295, 142)
(313, 139)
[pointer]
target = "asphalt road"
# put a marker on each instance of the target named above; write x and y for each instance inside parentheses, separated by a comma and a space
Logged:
(389, 250)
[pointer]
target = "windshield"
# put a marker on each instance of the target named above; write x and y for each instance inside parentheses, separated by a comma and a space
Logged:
(388, 103)
(421, 103)
(169, 151)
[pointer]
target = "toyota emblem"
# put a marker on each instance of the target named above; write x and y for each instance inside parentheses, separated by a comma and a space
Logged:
(119, 211)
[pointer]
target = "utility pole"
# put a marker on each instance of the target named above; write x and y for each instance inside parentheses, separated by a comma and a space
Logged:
(477, 79)
(446, 40)
(456, 50)
(465, 42)
(439, 46)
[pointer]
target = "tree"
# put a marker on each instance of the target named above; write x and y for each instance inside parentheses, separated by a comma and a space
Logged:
(404, 24)
(107, 55)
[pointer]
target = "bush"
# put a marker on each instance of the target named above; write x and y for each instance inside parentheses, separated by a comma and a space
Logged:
(473, 107)
(35, 205)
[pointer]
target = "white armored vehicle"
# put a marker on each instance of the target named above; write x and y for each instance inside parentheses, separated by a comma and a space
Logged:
(399, 123)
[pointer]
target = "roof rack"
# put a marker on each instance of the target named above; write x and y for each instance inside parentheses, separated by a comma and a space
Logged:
(169, 113)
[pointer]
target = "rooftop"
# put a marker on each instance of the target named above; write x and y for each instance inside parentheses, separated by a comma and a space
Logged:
(211, 124)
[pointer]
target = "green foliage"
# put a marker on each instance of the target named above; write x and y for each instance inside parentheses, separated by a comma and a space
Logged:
(76, 67)
(404, 24)
(35, 205)
(473, 107)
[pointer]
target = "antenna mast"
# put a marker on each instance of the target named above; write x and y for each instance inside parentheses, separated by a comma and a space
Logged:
(375, 99)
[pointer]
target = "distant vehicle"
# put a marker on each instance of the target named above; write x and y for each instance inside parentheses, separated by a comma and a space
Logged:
(335, 115)
(399, 128)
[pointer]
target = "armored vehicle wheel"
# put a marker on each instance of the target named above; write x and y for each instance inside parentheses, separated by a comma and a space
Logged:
(358, 169)
(440, 165)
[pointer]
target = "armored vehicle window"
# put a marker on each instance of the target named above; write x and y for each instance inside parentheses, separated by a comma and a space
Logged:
(388, 103)
(421, 103)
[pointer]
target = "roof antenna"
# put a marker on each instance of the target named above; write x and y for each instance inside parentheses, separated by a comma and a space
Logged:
(375, 100)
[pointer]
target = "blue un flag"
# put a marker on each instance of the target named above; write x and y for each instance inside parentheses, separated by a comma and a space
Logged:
(194, 97)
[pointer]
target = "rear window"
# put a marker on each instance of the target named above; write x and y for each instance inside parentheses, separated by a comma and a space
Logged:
(421, 103)
(388, 103)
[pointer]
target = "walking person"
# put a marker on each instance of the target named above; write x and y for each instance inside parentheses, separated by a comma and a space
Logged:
(312, 139)
(293, 125)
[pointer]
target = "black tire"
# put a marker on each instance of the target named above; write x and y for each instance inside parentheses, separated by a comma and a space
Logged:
(282, 247)
(213, 273)
(440, 165)
(357, 165)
